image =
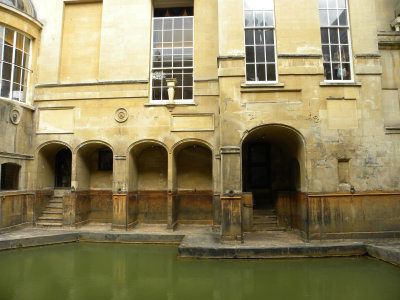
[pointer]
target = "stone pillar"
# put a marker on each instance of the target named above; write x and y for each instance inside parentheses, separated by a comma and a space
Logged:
(171, 207)
(120, 195)
(120, 217)
(231, 227)
(69, 209)
(217, 193)
(231, 203)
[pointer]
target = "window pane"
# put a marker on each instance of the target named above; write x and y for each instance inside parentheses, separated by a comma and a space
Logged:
(270, 53)
(8, 54)
(322, 4)
(346, 72)
(271, 73)
(342, 4)
(164, 94)
(27, 46)
(178, 93)
(1, 34)
(333, 17)
(250, 72)
(167, 24)
(9, 37)
(258, 19)
(18, 57)
(20, 41)
(336, 72)
(323, 17)
(345, 53)
(342, 17)
(249, 54)
(269, 36)
(324, 36)
(17, 94)
(259, 37)
(260, 55)
(178, 37)
(6, 71)
(157, 24)
(178, 23)
(188, 23)
(157, 39)
(325, 53)
(167, 36)
(327, 72)
(188, 80)
(249, 37)
(269, 19)
(261, 72)
(5, 89)
(24, 79)
(26, 61)
(333, 33)
(187, 93)
(17, 75)
(335, 55)
(331, 3)
(248, 19)
(343, 36)
(188, 37)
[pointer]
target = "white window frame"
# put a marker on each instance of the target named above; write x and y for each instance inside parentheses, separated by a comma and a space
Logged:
(181, 101)
(254, 28)
(24, 89)
(347, 28)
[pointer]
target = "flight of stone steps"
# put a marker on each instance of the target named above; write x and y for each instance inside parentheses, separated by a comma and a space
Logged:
(266, 220)
(52, 216)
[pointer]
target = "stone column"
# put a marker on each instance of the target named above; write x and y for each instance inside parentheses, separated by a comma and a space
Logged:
(120, 217)
(171, 207)
(217, 193)
(231, 203)
(120, 196)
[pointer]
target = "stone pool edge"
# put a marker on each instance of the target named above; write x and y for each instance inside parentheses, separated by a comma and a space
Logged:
(188, 248)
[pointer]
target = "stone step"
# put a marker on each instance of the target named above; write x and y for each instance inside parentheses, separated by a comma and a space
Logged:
(258, 227)
(54, 206)
(48, 225)
(51, 219)
(265, 218)
(56, 201)
(264, 212)
(52, 211)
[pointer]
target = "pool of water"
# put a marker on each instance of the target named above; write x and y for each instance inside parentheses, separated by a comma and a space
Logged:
(115, 271)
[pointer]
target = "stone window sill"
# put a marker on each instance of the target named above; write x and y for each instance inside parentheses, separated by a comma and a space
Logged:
(341, 84)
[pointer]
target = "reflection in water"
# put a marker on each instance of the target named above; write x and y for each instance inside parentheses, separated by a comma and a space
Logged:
(86, 271)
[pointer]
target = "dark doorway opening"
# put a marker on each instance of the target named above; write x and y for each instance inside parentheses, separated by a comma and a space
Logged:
(268, 168)
(63, 168)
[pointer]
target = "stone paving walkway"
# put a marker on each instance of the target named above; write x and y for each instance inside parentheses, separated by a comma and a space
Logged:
(198, 241)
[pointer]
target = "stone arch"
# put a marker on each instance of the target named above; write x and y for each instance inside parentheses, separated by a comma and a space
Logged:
(46, 155)
(274, 171)
(193, 173)
(148, 181)
(94, 165)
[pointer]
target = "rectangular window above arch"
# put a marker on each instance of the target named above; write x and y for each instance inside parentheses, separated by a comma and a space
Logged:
(172, 53)
(259, 36)
(335, 39)
(15, 56)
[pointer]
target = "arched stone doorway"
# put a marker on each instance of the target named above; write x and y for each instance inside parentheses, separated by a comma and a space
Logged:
(194, 182)
(273, 170)
(54, 166)
(148, 183)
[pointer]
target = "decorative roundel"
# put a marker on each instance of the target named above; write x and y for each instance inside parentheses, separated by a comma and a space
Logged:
(121, 115)
(15, 116)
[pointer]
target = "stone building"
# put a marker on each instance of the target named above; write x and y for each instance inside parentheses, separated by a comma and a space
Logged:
(285, 115)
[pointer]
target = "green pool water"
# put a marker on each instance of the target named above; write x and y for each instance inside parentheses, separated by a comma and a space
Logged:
(115, 271)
